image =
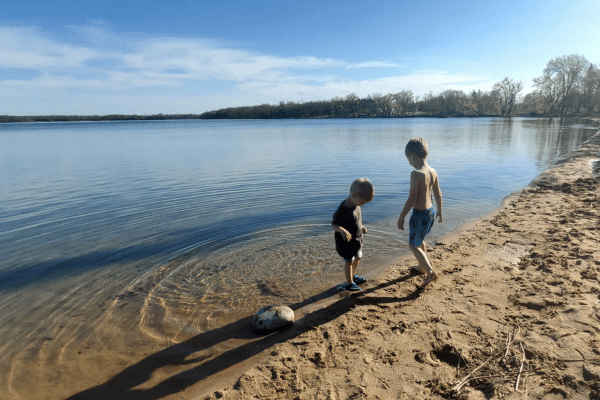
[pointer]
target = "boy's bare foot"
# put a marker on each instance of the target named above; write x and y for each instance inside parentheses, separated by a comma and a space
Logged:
(430, 278)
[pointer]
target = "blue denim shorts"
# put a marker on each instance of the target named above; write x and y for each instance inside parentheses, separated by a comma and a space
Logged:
(420, 225)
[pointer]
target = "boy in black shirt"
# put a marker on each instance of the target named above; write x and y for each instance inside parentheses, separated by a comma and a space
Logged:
(347, 224)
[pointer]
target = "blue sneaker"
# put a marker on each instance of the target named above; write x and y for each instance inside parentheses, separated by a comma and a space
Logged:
(359, 280)
(353, 287)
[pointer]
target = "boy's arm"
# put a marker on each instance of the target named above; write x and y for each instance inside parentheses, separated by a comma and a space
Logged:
(345, 234)
(412, 198)
(437, 194)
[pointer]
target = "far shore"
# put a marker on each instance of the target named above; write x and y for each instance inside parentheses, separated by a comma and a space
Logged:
(163, 117)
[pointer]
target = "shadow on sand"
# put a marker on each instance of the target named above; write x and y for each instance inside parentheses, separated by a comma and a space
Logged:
(122, 385)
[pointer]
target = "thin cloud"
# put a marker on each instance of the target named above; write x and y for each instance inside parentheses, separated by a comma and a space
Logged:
(144, 62)
(28, 48)
(374, 64)
(419, 83)
(202, 60)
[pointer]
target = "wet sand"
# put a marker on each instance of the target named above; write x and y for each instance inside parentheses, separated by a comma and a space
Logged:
(515, 314)
(517, 288)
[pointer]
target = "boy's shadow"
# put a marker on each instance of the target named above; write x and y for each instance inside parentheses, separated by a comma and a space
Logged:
(122, 385)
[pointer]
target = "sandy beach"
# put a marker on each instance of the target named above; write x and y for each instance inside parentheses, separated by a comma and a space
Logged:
(515, 314)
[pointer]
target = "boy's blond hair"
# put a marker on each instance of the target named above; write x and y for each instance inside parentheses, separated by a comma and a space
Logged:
(363, 188)
(418, 147)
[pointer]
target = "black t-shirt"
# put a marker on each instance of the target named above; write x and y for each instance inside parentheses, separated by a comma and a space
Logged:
(349, 218)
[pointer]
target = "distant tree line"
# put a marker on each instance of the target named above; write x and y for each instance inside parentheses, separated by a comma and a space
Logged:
(450, 103)
(570, 85)
(112, 117)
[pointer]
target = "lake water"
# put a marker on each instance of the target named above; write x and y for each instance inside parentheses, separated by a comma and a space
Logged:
(138, 234)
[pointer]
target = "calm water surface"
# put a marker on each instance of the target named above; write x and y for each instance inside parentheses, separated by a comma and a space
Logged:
(171, 228)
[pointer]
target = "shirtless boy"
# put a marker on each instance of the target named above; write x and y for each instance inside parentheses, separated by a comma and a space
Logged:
(423, 182)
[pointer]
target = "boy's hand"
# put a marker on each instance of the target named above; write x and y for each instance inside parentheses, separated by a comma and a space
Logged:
(440, 217)
(346, 235)
(364, 229)
(401, 223)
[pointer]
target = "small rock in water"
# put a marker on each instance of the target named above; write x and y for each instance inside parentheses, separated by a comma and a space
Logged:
(270, 318)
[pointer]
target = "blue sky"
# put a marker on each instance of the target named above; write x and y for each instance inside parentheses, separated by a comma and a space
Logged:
(195, 56)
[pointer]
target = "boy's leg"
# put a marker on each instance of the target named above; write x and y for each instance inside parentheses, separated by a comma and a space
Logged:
(422, 258)
(359, 280)
(348, 271)
(355, 266)
(422, 267)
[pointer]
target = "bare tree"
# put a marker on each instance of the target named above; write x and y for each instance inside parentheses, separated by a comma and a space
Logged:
(379, 101)
(338, 107)
(388, 105)
(430, 103)
(506, 93)
(549, 88)
(368, 106)
(561, 80)
(352, 103)
(456, 102)
(591, 88)
(404, 101)
(484, 102)
(535, 102)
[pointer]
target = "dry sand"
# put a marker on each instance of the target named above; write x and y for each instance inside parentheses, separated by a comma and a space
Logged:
(514, 314)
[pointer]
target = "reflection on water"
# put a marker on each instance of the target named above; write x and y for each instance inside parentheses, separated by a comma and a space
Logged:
(124, 237)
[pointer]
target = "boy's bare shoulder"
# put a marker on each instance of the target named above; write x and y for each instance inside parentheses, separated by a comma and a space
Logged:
(431, 171)
(417, 173)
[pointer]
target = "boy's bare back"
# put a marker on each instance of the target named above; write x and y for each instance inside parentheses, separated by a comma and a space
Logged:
(424, 183)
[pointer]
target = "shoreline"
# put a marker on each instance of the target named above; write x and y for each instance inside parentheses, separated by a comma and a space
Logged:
(296, 367)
